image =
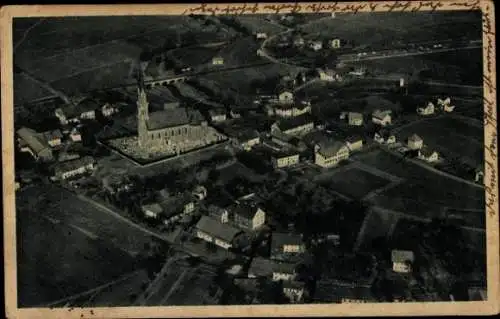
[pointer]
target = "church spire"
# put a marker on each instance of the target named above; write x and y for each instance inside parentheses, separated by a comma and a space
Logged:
(142, 109)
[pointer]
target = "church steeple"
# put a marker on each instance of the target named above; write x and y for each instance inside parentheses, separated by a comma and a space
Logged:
(142, 110)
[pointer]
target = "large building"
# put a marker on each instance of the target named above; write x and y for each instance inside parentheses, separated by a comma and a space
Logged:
(174, 128)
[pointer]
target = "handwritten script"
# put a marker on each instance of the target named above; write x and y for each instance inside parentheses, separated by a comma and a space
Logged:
(296, 7)
(490, 119)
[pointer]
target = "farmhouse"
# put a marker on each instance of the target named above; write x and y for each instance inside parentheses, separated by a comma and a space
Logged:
(153, 210)
(74, 113)
(402, 260)
(355, 119)
(415, 142)
(382, 118)
(354, 143)
(292, 110)
(295, 126)
(294, 290)
(74, 167)
(335, 43)
(53, 138)
(284, 159)
(286, 245)
(217, 115)
(428, 110)
(316, 45)
(284, 271)
(330, 153)
(32, 142)
(428, 155)
(248, 139)
(217, 60)
(248, 216)
(212, 231)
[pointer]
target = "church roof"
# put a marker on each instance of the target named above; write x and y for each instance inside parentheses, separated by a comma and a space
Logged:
(167, 118)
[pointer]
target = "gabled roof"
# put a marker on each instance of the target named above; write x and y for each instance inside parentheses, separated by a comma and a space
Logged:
(425, 151)
(216, 229)
(402, 256)
(50, 135)
(330, 148)
(261, 267)
(217, 111)
(354, 138)
(32, 138)
(287, 124)
(75, 164)
(246, 210)
(414, 138)
(381, 114)
(154, 207)
(284, 268)
(167, 118)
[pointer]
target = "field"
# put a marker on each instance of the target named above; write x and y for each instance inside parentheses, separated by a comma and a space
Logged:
(26, 90)
(373, 29)
(240, 52)
(449, 136)
(257, 23)
(68, 247)
(424, 193)
(194, 56)
(355, 183)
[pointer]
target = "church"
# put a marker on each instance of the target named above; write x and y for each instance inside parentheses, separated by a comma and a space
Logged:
(174, 129)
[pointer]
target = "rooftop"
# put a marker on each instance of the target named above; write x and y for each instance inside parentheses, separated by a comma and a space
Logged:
(330, 291)
(415, 138)
(330, 148)
(168, 118)
(381, 114)
(280, 239)
(32, 138)
(246, 210)
(287, 124)
(402, 256)
(213, 227)
(354, 116)
(154, 207)
(286, 268)
(75, 164)
(261, 267)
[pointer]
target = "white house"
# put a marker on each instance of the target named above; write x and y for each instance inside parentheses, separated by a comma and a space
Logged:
(248, 216)
(355, 119)
(402, 260)
(261, 35)
(384, 137)
(217, 115)
(428, 155)
(108, 110)
(74, 167)
(75, 135)
(284, 271)
(382, 118)
(152, 210)
(294, 290)
(327, 75)
(415, 142)
(479, 175)
(281, 160)
(84, 110)
(316, 45)
(217, 60)
(329, 154)
(428, 110)
(354, 143)
(212, 231)
(445, 105)
(335, 43)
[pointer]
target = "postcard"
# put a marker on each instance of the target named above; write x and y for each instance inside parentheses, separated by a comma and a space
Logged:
(250, 159)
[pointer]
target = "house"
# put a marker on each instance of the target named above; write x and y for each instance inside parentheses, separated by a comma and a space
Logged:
(286, 246)
(294, 290)
(292, 110)
(428, 155)
(32, 142)
(354, 143)
(428, 110)
(218, 213)
(85, 110)
(327, 75)
(382, 117)
(248, 215)
(286, 97)
(53, 138)
(260, 267)
(200, 192)
(153, 210)
(402, 260)
(284, 271)
(335, 43)
(108, 110)
(212, 231)
(217, 61)
(261, 35)
(75, 135)
(355, 119)
(248, 139)
(17, 185)
(75, 167)
(296, 126)
(284, 159)
(445, 105)
(415, 142)
(330, 153)
(316, 45)
(298, 41)
(235, 114)
(479, 175)
(384, 137)
(217, 115)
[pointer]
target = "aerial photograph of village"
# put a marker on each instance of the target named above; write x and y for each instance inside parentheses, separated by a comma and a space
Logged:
(317, 158)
